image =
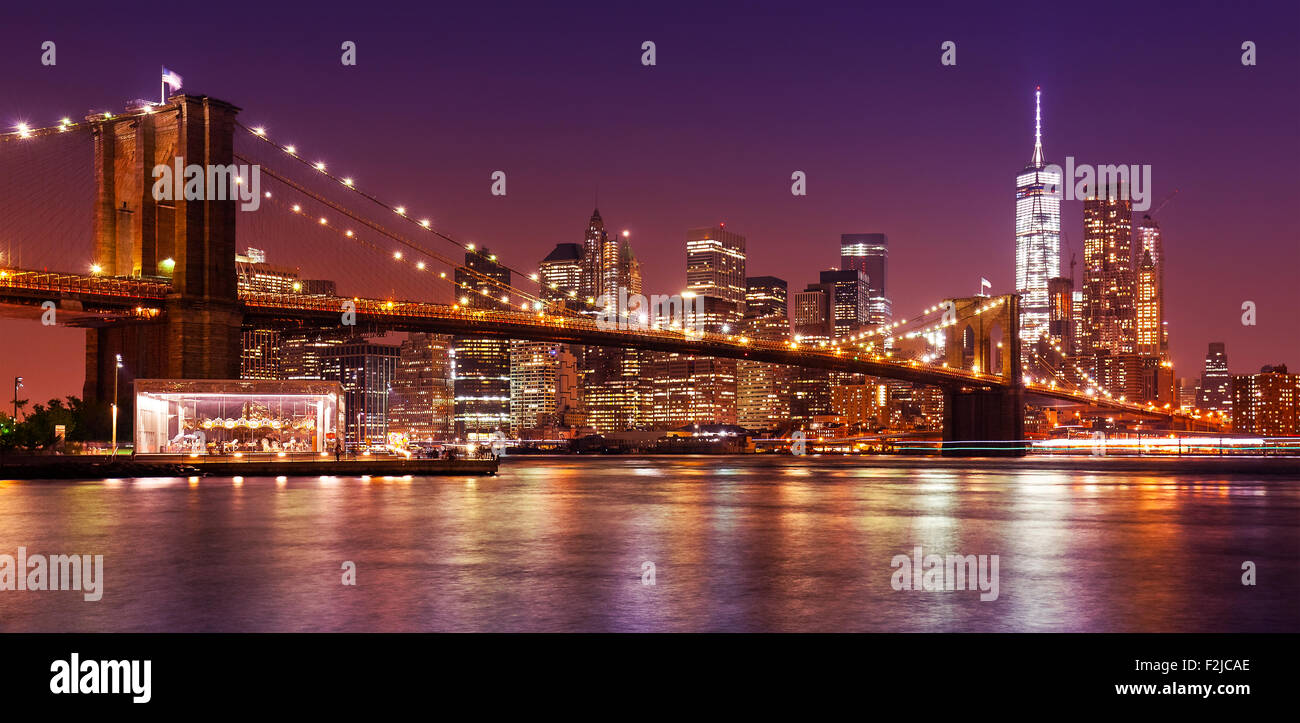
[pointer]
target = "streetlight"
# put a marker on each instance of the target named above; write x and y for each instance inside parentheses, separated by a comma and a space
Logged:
(115, 375)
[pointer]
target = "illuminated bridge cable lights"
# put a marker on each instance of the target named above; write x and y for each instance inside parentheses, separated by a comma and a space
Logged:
(524, 302)
(426, 225)
(297, 208)
(349, 184)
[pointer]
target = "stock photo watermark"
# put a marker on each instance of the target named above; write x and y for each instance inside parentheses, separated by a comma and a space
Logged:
(55, 573)
(215, 182)
(75, 676)
(939, 573)
(1080, 182)
(635, 312)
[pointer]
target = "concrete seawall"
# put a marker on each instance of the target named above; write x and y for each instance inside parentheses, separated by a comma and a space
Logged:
(74, 467)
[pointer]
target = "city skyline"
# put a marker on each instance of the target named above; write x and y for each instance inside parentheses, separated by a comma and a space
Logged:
(588, 317)
(797, 237)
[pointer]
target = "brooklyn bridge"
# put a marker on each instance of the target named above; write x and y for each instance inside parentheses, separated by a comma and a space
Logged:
(155, 282)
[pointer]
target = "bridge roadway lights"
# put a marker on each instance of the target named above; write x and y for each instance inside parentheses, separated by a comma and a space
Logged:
(984, 423)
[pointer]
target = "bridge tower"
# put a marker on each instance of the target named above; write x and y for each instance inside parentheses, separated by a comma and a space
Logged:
(985, 420)
(192, 242)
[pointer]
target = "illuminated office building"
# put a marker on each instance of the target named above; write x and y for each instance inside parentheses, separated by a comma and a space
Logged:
(366, 370)
(869, 253)
(813, 318)
(1132, 377)
(481, 365)
(1038, 237)
(255, 274)
(261, 345)
(560, 274)
(269, 352)
(813, 324)
(1149, 330)
(1216, 382)
(422, 403)
(715, 265)
(849, 298)
(612, 392)
(1188, 393)
(1153, 331)
(1268, 403)
(261, 354)
(606, 261)
(861, 408)
(1060, 324)
(1109, 282)
(688, 389)
(543, 385)
(914, 407)
(303, 352)
(763, 389)
(1076, 323)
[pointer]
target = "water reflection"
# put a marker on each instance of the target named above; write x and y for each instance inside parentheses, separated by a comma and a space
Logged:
(736, 543)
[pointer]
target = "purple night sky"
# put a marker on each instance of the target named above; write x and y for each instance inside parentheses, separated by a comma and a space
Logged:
(742, 95)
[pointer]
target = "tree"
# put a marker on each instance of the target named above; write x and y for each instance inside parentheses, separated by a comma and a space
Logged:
(82, 422)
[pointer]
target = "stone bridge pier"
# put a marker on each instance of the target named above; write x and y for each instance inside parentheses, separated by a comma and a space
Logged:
(191, 241)
(985, 420)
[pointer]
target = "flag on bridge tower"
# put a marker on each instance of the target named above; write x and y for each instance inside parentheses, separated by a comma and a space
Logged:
(984, 284)
(170, 80)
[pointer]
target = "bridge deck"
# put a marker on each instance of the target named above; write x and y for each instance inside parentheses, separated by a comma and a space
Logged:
(137, 298)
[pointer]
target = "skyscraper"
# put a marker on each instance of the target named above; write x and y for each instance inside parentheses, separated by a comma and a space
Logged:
(543, 385)
(365, 369)
(813, 323)
(813, 319)
(422, 403)
(303, 353)
(1077, 335)
(613, 397)
(1060, 326)
(869, 253)
(595, 257)
(763, 389)
(560, 274)
(685, 388)
(1216, 382)
(261, 354)
(481, 364)
(1147, 312)
(1188, 392)
(1109, 282)
(715, 264)
(1038, 236)
(1153, 332)
(850, 300)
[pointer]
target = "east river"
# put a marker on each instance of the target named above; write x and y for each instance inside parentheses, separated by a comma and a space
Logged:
(730, 544)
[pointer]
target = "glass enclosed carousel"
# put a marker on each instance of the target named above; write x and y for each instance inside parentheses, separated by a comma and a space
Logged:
(224, 416)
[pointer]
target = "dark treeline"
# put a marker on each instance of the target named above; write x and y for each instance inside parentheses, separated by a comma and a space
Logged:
(37, 430)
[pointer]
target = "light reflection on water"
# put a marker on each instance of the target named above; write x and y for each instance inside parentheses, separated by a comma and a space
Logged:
(738, 544)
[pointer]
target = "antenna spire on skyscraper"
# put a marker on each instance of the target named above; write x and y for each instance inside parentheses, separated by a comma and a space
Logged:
(1037, 162)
